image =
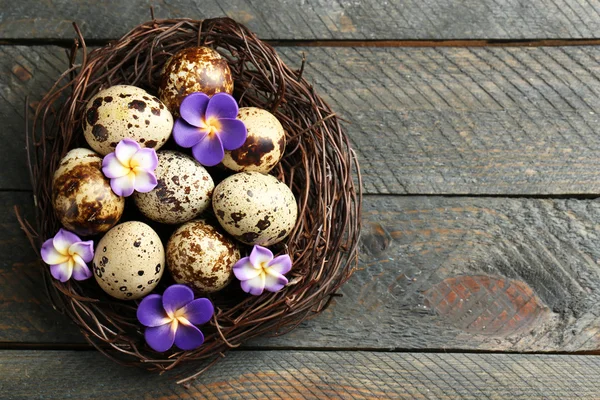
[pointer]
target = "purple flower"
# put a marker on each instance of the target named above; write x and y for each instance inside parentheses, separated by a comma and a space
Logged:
(171, 318)
(261, 271)
(68, 256)
(130, 168)
(209, 125)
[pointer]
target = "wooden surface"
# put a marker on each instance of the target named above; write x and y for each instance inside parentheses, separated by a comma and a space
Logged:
(497, 121)
(316, 19)
(310, 375)
(481, 224)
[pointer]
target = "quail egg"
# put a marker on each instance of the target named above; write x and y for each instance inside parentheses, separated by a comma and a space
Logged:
(255, 208)
(121, 112)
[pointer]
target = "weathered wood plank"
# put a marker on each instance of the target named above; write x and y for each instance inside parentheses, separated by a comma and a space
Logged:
(308, 375)
(317, 19)
(515, 121)
(451, 273)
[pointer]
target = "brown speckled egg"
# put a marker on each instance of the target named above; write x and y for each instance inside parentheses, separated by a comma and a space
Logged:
(194, 69)
(183, 191)
(129, 261)
(264, 145)
(202, 257)
(81, 195)
(255, 208)
(121, 112)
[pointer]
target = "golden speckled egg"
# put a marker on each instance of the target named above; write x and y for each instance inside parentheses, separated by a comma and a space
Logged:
(129, 261)
(264, 145)
(121, 112)
(202, 257)
(81, 195)
(255, 208)
(183, 191)
(194, 69)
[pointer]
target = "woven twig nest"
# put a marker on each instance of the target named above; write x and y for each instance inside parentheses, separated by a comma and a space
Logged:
(317, 166)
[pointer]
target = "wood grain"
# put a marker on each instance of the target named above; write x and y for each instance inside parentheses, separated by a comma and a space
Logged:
(448, 273)
(501, 121)
(317, 19)
(308, 375)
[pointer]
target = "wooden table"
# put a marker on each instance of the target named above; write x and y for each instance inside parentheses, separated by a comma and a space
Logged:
(478, 133)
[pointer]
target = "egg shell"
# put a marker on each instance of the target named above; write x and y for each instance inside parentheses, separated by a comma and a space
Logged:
(264, 144)
(255, 208)
(183, 191)
(129, 261)
(82, 198)
(122, 112)
(193, 69)
(201, 256)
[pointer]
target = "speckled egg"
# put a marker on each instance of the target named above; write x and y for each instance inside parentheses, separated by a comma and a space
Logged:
(81, 195)
(264, 145)
(255, 208)
(183, 191)
(129, 261)
(193, 69)
(202, 257)
(121, 112)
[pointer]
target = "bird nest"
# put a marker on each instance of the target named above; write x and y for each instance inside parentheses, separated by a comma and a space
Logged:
(317, 166)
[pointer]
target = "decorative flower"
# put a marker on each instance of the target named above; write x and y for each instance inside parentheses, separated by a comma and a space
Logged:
(209, 125)
(68, 256)
(130, 168)
(261, 271)
(171, 318)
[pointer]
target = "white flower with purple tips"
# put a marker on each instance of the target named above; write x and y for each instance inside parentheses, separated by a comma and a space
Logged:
(130, 167)
(260, 271)
(68, 256)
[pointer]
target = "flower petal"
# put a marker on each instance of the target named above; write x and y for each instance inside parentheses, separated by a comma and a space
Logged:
(112, 167)
(260, 255)
(62, 271)
(161, 338)
(199, 311)
(281, 264)
(145, 159)
(233, 133)
(151, 312)
(81, 271)
(63, 240)
(50, 255)
(125, 150)
(124, 185)
(254, 286)
(188, 337)
(274, 281)
(244, 270)
(209, 151)
(187, 135)
(145, 181)
(175, 297)
(193, 108)
(85, 250)
(221, 105)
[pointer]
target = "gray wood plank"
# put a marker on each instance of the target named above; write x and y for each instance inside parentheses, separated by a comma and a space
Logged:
(308, 375)
(316, 19)
(434, 273)
(502, 121)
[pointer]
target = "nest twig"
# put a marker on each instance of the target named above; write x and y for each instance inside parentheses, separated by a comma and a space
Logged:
(317, 165)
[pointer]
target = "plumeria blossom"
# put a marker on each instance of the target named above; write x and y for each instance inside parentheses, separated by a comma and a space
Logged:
(130, 168)
(68, 256)
(171, 318)
(209, 126)
(260, 271)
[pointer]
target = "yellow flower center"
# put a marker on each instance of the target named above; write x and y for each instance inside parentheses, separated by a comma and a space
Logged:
(178, 317)
(212, 125)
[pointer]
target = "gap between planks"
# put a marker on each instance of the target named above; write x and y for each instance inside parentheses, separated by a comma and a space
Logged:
(67, 43)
